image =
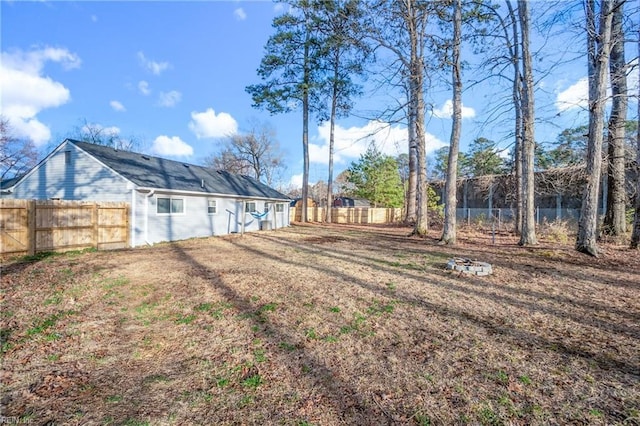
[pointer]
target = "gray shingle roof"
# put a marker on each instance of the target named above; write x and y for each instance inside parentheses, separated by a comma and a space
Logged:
(8, 183)
(159, 173)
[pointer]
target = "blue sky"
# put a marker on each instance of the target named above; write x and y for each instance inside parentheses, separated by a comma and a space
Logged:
(173, 75)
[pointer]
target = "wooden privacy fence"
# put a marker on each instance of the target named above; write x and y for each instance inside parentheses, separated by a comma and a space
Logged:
(362, 215)
(32, 226)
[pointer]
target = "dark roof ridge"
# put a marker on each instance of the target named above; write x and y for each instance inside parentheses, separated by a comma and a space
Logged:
(148, 171)
(76, 142)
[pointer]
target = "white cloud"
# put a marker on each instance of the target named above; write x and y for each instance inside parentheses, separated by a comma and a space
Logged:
(351, 142)
(296, 181)
(575, 96)
(117, 106)
(240, 14)
(280, 8)
(446, 111)
(24, 94)
(169, 99)
(208, 124)
(156, 68)
(143, 87)
(26, 90)
(32, 62)
(32, 129)
(171, 146)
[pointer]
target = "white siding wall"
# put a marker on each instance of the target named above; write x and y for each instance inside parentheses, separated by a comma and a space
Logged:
(196, 221)
(82, 178)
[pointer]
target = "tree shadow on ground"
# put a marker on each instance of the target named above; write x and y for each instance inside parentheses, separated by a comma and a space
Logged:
(521, 338)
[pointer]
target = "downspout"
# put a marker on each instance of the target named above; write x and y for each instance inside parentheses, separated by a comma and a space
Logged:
(133, 217)
(243, 216)
(146, 216)
(274, 218)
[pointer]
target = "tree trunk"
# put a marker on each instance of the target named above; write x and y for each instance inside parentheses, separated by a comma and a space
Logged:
(415, 27)
(528, 234)
(334, 103)
(598, 54)
(635, 235)
(451, 185)
(305, 131)
(422, 223)
(517, 106)
(615, 216)
(410, 213)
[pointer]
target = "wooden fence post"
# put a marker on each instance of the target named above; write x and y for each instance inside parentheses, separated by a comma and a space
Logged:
(31, 227)
(94, 219)
(127, 232)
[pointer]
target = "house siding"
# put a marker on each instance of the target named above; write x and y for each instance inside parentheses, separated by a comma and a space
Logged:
(71, 174)
(151, 227)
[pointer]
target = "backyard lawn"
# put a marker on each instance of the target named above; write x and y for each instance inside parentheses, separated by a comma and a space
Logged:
(322, 325)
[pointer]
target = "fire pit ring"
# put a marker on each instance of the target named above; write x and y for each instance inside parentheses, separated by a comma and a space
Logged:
(468, 266)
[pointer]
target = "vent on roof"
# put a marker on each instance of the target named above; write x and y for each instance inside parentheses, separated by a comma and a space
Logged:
(145, 157)
(202, 183)
(186, 165)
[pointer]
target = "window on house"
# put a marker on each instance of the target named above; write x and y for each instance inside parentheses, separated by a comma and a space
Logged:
(279, 208)
(67, 157)
(170, 206)
(212, 207)
(250, 207)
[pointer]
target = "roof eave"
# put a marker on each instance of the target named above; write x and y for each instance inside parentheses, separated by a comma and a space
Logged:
(210, 194)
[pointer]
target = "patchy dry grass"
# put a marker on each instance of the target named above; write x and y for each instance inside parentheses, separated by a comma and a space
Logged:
(322, 325)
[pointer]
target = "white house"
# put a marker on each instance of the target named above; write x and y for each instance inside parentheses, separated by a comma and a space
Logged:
(169, 200)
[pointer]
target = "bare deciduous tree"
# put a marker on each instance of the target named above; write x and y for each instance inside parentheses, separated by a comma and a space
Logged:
(516, 93)
(107, 136)
(528, 232)
(598, 46)
(400, 27)
(614, 219)
(449, 230)
(255, 153)
(415, 18)
(17, 155)
(635, 235)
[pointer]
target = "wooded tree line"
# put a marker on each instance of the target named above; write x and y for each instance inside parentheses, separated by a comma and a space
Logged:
(484, 157)
(320, 51)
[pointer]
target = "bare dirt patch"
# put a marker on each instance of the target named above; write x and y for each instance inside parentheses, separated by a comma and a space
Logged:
(323, 325)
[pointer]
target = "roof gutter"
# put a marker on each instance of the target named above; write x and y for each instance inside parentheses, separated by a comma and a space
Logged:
(177, 191)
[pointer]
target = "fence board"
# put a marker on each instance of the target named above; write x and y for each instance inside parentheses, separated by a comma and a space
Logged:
(346, 215)
(30, 226)
(14, 237)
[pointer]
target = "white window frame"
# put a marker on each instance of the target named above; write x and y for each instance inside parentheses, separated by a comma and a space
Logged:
(215, 207)
(247, 207)
(171, 200)
(279, 208)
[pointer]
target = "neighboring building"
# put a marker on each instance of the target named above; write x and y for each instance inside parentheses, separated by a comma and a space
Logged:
(297, 202)
(169, 200)
(558, 193)
(350, 202)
